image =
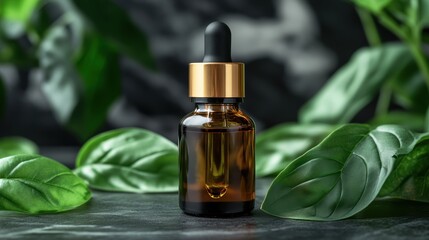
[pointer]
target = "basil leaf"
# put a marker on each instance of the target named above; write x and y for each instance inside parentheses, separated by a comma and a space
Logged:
(14, 16)
(119, 30)
(412, 13)
(410, 90)
(279, 145)
(354, 85)
(409, 179)
(35, 184)
(129, 160)
(80, 72)
(424, 13)
(98, 70)
(16, 145)
(339, 177)
(374, 6)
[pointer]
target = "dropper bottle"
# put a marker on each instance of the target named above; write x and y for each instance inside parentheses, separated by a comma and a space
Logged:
(216, 140)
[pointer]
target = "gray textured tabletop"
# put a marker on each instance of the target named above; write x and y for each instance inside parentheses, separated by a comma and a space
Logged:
(157, 216)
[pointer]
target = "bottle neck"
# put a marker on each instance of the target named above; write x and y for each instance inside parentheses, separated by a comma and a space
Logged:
(216, 107)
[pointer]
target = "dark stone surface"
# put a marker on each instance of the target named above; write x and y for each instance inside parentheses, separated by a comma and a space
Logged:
(157, 216)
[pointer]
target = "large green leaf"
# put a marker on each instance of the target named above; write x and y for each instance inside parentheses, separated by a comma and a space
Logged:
(373, 5)
(355, 84)
(129, 160)
(115, 25)
(14, 16)
(16, 145)
(35, 184)
(81, 75)
(410, 177)
(278, 146)
(340, 176)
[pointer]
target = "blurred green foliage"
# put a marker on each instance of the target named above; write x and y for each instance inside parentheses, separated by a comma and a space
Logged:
(355, 84)
(77, 51)
(16, 145)
(395, 72)
(15, 16)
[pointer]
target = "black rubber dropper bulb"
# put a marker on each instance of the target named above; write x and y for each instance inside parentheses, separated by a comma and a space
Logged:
(217, 43)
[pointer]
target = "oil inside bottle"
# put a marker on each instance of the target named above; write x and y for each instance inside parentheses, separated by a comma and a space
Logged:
(217, 174)
(217, 170)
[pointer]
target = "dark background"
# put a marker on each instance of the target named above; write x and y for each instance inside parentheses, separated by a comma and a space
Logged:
(290, 48)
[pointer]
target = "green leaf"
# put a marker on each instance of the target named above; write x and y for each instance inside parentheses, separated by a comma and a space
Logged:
(410, 177)
(81, 75)
(129, 160)
(98, 69)
(375, 6)
(115, 25)
(413, 13)
(14, 16)
(410, 90)
(16, 145)
(13, 53)
(409, 120)
(354, 85)
(278, 146)
(35, 184)
(424, 13)
(340, 176)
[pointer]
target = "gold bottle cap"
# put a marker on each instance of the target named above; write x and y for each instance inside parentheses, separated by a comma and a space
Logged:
(217, 76)
(216, 80)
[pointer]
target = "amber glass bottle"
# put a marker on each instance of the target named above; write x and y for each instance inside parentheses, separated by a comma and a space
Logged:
(216, 140)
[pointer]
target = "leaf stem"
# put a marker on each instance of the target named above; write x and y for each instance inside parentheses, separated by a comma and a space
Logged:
(369, 27)
(420, 58)
(374, 40)
(390, 24)
(383, 102)
(427, 121)
(413, 40)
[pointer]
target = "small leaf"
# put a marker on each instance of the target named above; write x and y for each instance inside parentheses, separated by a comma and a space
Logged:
(410, 90)
(16, 145)
(81, 75)
(278, 146)
(98, 69)
(409, 120)
(424, 13)
(14, 16)
(129, 160)
(354, 85)
(373, 5)
(339, 177)
(115, 25)
(410, 177)
(35, 184)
